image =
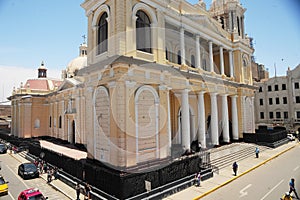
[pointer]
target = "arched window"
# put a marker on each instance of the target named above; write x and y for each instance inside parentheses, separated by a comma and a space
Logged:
(102, 34)
(60, 122)
(143, 32)
(193, 61)
(179, 57)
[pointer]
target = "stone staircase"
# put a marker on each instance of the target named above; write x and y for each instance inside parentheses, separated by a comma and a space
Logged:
(224, 156)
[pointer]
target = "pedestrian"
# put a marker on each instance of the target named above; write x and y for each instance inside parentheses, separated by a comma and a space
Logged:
(55, 173)
(87, 189)
(235, 168)
(292, 187)
(77, 188)
(257, 152)
(198, 179)
(45, 167)
(49, 175)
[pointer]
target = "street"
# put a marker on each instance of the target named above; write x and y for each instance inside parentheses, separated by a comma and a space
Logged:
(268, 182)
(9, 165)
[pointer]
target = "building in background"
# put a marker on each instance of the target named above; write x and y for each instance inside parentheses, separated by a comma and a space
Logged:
(159, 76)
(277, 101)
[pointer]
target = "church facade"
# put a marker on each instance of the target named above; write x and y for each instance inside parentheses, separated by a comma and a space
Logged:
(159, 74)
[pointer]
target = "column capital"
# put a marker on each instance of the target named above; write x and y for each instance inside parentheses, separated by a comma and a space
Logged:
(224, 95)
(201, 92)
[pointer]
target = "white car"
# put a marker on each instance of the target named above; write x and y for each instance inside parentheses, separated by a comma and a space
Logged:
(290, 137)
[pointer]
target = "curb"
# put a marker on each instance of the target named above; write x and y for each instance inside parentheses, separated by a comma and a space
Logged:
(247, 171)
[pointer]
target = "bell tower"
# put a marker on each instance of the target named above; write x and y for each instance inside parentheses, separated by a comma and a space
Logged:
(42, 71)
(230, 14)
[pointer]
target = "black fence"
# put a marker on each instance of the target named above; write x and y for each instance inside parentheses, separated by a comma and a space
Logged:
(266, 136)
(117, 183)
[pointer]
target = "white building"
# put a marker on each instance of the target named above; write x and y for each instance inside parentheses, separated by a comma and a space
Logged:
(277, 101)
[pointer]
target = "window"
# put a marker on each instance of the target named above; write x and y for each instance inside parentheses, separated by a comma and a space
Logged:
(278, 115)
(298, 114)
(269, 88)
(297, 99)
(193, 61)
(60, 122)
(260, 89)
(270, 101)
(284, 100)
(143, 32)
(283, 86)
(261, 102)
(102, 34)
(277, 100)
(50, 121)
(262, 115)
(271, 115)
(296, 85)
(286, 115)
(276, 87)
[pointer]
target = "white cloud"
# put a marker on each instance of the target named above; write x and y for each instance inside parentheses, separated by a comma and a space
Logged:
(12, 76)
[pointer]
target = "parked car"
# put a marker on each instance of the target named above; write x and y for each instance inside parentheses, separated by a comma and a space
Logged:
(28, 170)
(291, 137)
(31, 194)
(3, 148)
(3, 186)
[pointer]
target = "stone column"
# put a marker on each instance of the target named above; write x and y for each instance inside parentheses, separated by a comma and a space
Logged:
(182, 46)
(211, 56)
(201, 119)
(226, 137)
(198, 52)
(185, 115)
(231, 63)
(235, 123)
(169, 122)
(214, 119)
(221, 61)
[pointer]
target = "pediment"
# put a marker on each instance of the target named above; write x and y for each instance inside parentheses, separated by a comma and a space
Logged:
(68, 83)
(207, 23)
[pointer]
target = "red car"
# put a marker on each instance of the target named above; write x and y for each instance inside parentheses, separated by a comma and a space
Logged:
(31, 194)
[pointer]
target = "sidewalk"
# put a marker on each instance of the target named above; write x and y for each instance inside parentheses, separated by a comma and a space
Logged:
(225, 175)
(58, 185)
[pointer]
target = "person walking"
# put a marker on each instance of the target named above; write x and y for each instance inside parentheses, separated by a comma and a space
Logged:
(235, 168)
(257, 152)
(292, 187)
(198, 179)
(77, 188)
(87, 190)
(49, 175)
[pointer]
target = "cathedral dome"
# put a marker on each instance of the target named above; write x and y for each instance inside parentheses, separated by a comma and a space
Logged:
(78, 63)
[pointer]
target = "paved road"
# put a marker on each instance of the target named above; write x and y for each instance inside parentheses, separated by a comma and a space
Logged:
(268, 182)
(16, 184)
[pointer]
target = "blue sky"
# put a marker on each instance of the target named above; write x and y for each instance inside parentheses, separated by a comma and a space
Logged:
(32, 31)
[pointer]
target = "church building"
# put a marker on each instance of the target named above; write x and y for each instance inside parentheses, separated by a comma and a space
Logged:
(154, 76)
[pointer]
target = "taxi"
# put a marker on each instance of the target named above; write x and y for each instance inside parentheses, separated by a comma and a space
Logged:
(3, 186)
(31, 194)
